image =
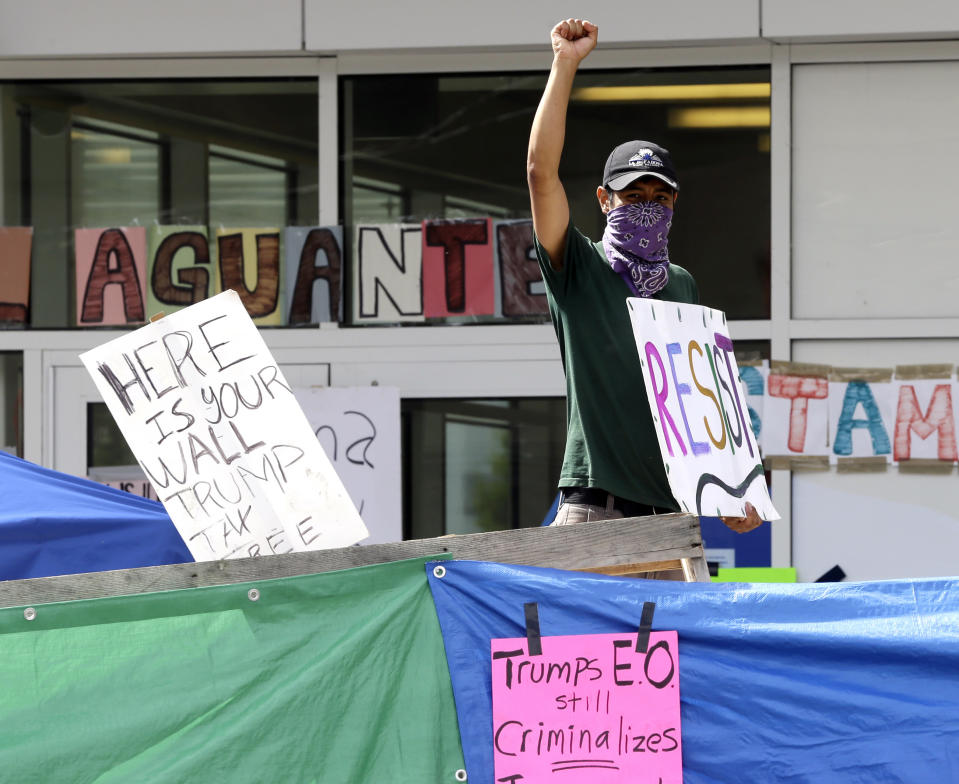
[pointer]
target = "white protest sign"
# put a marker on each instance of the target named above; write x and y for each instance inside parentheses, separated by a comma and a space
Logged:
(700, 417)
(359, 427)
(217, 430)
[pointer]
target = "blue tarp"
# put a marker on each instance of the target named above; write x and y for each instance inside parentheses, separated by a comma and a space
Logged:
(787, 683)
(53, 523)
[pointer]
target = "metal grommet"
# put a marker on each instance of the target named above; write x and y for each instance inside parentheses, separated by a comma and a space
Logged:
(460, 775)
(440, 572)
(253, 594)
(29, 613)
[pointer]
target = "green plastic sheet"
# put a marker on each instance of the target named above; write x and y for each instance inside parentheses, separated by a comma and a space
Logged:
(335, 677)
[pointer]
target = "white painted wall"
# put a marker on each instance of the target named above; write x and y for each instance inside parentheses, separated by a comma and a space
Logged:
(875, 526)
(64, 28)
(850, 20)
(341, 27)
(875, 151)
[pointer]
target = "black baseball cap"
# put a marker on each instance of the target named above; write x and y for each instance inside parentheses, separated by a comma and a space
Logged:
(636, 159)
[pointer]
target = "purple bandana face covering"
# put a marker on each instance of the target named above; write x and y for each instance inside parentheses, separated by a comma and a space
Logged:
(635, 242)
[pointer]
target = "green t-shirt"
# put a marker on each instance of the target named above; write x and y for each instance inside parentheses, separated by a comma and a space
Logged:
(610, 440)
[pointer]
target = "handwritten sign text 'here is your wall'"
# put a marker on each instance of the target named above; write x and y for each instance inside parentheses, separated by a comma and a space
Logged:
(216, 428)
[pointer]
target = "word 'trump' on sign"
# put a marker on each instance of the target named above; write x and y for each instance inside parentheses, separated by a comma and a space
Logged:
(216, 428)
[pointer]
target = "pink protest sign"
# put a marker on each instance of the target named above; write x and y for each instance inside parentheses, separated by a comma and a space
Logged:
(590, 707)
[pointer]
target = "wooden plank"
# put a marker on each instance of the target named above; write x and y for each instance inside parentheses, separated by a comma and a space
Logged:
(609, 543)
(696, 570)
(638, 569)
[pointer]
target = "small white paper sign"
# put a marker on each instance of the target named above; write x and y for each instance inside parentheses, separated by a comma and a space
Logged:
(359, 427)
(699, 412)
(216, 428)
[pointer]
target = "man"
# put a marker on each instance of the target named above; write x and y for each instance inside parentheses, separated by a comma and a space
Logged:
(612, 466)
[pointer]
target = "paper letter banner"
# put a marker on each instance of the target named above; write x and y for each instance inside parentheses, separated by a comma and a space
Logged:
(458, 275)
(313, 274)
(522, 291)
(700, 417)
(925, 420)
(753, 378)
(796, 415)
(111, 276)
(15, 246)
(216, 428)
(590, 707)
(359, 427)
(861, 415)
(179, 271)
(388, 273)
(248, 261)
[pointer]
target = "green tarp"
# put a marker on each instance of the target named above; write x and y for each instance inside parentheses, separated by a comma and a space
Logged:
(336, 677)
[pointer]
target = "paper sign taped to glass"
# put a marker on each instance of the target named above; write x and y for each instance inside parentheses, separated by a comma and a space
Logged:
(217, 430)
(699, 409)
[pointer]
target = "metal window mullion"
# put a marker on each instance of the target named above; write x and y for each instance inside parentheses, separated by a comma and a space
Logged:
(780, 276)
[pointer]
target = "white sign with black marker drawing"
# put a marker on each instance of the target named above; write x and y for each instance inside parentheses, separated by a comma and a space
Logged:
(216, 428)
(699, 410)
(359, 427)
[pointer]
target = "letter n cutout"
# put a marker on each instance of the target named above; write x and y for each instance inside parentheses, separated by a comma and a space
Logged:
(388, 273)
(111, 275)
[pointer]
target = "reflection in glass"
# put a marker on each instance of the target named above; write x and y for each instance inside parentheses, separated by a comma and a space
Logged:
(115, 175)
(106, 445)
(456, 147)
(101, 154)
(11, 402)
(480, 465)
(246, 190)
(477, 477)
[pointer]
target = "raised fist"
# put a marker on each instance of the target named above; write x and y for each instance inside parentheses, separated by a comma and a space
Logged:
(573, 39)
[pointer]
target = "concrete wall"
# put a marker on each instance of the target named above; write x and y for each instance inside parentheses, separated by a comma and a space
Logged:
(859, 20)
(55, 28)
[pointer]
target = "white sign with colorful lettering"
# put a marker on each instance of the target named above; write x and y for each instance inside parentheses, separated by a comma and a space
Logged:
(216, 428)
(699, 410)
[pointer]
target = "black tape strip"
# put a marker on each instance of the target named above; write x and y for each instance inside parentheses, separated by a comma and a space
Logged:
(834, 575)
(533, 641)
(645, 627)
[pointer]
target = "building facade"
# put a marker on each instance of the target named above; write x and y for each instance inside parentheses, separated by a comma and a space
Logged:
(816, 146)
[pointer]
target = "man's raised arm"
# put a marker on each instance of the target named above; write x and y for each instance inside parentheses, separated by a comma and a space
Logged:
(572, 40)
